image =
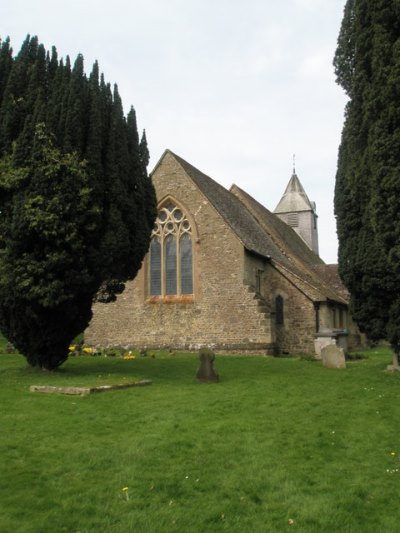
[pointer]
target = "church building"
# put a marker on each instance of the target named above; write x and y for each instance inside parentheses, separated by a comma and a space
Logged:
(225, 272)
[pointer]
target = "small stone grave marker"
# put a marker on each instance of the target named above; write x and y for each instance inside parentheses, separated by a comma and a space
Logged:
(333, 356)
(10, 349)
(206, 372)
(394, 367)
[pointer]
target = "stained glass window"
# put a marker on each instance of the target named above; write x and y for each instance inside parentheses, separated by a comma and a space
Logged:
(170, 264)
(171, 253)
(155, 267)
(186, 264)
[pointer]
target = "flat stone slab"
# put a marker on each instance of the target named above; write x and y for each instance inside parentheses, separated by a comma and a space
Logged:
(392, 368)
(84, 391)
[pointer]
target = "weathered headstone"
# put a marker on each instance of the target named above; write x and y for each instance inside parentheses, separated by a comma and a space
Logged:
(333, 356)
(10, 348)
(394, 367)
(206, 372)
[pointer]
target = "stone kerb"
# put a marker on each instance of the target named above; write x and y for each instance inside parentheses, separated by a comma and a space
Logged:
(84, 391)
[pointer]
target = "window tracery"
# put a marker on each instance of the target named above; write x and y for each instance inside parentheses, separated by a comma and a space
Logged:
(171, 253)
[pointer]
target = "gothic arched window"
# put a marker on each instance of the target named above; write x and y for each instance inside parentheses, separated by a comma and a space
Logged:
(171, 253)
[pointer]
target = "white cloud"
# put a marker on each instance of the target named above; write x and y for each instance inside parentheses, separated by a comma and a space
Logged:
(268, 49)
(311, 4)
(234, 87)
(317, 65)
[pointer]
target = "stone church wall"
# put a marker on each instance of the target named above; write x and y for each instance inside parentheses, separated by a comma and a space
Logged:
(296, 334)
(223, 313)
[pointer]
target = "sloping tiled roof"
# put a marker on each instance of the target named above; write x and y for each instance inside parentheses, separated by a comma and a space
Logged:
(263, 233)
(231, 209)
(299, 260)
(281, 233)
(330, 274)
(294, 198)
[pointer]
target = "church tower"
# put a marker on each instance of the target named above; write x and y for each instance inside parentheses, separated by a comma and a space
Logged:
(298, 212)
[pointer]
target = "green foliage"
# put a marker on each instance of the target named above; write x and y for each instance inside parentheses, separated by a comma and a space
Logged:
(76, 204)
(273, 441)
(5, 64)
(47, 276)
(367, 192)
(355, 356)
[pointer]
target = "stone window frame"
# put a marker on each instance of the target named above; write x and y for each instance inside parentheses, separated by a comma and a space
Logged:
(178, 231)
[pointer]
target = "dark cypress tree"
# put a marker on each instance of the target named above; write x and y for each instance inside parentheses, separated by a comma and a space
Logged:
(5, 64)
(35, 102)
(118, 199)
(94, 143)
(76, 120)
(144, 156)
(58, 101)
(144, 151)
(367, 192)
(106, 103)
(76, 204)
(52, 64)
(37, 80)
(139, 157)
(47, 281)
(14, 103)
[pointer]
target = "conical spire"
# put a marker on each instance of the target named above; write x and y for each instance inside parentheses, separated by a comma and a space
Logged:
(298, 212)
(294, 198)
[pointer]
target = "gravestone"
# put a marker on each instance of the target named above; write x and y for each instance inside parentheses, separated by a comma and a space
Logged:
(394, 367)
(333, 356)
(206, 372)
(10, 348)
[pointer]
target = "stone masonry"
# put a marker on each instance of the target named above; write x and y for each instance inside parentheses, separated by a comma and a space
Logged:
(244, 258)
(222, 313)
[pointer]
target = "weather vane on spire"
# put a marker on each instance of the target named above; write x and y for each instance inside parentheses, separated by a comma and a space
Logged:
(294, 163)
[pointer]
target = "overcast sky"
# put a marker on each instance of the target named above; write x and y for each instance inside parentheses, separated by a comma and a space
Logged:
(234, 87)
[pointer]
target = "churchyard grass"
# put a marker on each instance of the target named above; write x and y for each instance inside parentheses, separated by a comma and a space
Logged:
(280, 444)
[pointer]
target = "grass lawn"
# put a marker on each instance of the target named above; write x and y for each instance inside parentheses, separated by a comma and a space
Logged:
(278, 445)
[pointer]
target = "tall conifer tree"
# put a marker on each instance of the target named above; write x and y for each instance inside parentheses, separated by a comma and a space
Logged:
(367, 192)
(76, 203)
(5, 64)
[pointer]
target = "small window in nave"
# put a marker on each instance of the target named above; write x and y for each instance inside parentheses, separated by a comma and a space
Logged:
(279, 310)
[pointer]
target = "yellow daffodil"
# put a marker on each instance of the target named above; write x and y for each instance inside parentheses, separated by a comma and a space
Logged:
(87, 349)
